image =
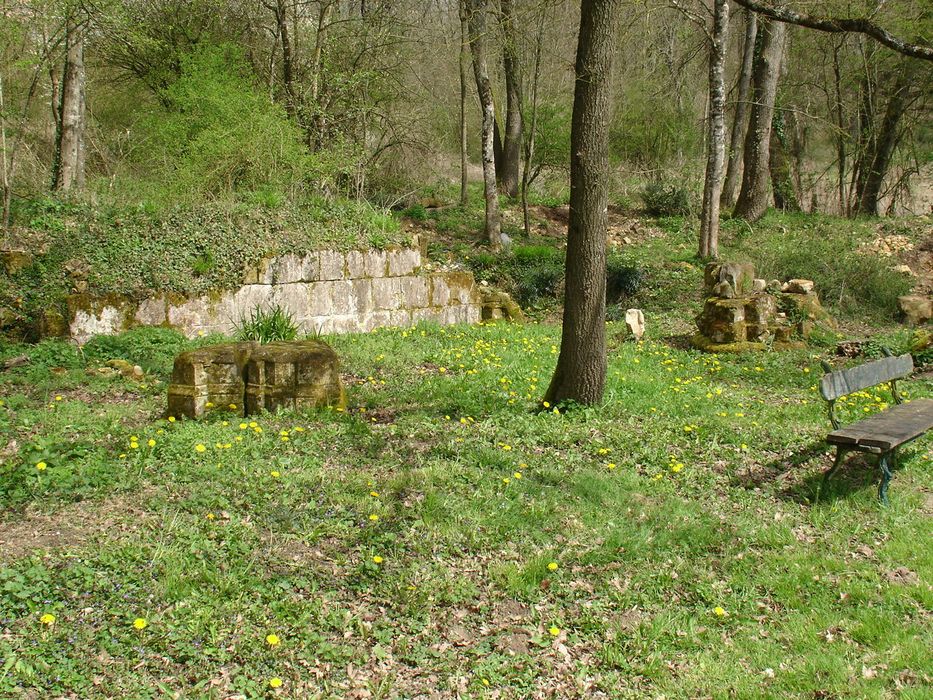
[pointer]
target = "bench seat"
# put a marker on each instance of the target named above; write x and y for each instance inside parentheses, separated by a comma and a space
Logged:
(887, 430)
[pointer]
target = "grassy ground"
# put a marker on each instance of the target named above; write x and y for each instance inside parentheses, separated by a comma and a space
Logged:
(441, 536)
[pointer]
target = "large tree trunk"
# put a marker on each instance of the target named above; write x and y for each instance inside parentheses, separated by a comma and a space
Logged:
(716, 138)
(477, 26)
(464, 68)
(69, 174)
(512, 143)
(740, 117)
(580, 375)
(753, 198)
(877, 159)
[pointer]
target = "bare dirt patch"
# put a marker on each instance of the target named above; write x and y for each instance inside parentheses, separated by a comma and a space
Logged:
(75, 526)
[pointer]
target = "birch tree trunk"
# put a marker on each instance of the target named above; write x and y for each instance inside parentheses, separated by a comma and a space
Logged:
(70, 171)
(477, 27)
(464, 69)
(740, 117)
(753, 198)
(580, 375)
(716, 139)
(529, 141)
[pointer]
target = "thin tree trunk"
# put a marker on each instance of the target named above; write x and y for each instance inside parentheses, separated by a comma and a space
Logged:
(753, 197)
(464, 68)
(840, 130)
(477, 27)
(6, 166)
(281, 20)
(580, 375)
(740, 118)
(530, 136)
(71, 170)
(512, 142)
(716, 146)
(318, 123)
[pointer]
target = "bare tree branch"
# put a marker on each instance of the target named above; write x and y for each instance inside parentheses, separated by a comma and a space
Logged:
(837, 25)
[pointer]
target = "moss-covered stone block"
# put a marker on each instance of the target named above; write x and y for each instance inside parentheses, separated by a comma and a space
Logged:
(248, 378)
(499, 306)
(723, 320)
(292, 375)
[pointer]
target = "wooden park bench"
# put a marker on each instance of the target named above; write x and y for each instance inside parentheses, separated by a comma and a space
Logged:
(882, 433)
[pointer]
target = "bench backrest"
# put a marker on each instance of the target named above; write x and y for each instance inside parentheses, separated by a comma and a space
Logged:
(846, 381)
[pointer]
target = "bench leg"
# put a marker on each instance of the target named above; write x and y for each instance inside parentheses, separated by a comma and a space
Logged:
(885, 463)
(840, 455)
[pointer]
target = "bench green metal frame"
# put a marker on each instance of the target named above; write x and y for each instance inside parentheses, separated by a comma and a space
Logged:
(884, 433)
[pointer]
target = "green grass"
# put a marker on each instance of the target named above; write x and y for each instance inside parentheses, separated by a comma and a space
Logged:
(708, 505)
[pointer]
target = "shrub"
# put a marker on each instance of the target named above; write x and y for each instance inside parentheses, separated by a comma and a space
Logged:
(267, 325)
(217, 134)
(623, 279)
(665, 199)
(825, 249)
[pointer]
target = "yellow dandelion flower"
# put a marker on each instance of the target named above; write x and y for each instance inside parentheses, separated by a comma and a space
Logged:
(552, 566)
(374, 517)
(517, 475)
(273, 640)
(719, 612)
(171, 419)
(374, 494)
(611, 465)
(140, 624)
(200, 448)
(554, 630)
(377, 559)
(47, 619)
(275, 682)
(275, 473)
(41, 466)
(151, 442)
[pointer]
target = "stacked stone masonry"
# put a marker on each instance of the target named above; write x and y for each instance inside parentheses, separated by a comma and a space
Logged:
(325, 292)
(249, 378)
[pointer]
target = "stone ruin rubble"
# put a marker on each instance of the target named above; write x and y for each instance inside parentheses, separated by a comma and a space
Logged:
(745, 313)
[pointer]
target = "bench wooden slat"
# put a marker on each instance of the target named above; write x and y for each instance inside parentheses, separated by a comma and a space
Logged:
(886, 431)
(846, 381)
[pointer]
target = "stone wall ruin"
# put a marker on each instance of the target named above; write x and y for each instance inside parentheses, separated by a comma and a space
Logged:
(325, 292)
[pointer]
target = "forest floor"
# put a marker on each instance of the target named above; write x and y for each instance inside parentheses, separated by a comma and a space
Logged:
(445, 537)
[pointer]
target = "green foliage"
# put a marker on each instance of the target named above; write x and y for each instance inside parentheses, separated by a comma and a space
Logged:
(666, 199)
(552, 138)
(218, 136)
(534, 274)
(624, 278)
(267, 325)
(152, 348)
(416, 212)
(530, 273)
(825, 249)
(652, 130)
